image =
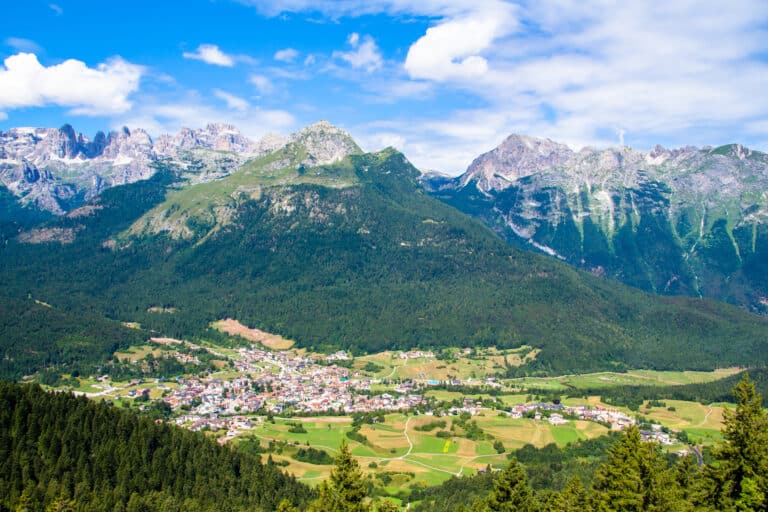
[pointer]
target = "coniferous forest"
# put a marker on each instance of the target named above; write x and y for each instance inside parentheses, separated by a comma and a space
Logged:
(60, 452)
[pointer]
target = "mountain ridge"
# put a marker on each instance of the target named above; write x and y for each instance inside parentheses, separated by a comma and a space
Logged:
(57, 170)
(376, 264)
(665, 220)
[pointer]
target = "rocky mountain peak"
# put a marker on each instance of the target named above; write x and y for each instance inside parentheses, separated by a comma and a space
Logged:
(49, 166)
(125, 144)
(733, 151)
(269, 142)
(324, 143)
(518, 156)
(687, 220)
(215, 136)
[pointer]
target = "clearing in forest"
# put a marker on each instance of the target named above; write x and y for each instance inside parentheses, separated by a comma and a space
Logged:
(235, 328)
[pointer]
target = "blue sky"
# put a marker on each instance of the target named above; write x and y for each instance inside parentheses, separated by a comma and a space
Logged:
(442, 80)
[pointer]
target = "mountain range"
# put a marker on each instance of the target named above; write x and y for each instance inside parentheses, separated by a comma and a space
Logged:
(689, 221)
(334, 248)
(57, 170)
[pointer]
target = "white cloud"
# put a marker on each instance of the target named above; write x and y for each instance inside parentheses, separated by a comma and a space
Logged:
(3, 116)
(581, 72)
(677, 73)
(451, 49)
(353, 8)
(286, 55)
(394, 90)
(102, 90)
(419, 146)
(57, 9)
(233, 102)
(262, 83)
(364, 54)
(23, 45)
(211, 54)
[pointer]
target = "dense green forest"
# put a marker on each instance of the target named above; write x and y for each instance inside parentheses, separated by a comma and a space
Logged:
(376, 265)
(37, 337)
(13, 212)
(59, 452)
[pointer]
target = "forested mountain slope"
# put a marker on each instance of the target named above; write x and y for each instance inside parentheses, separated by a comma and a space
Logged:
(353, 255)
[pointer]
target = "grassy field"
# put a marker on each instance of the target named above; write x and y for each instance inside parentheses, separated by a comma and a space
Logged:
(414, 457)
(483, 362)
(631, 378)
(701, 422)
(139, 352)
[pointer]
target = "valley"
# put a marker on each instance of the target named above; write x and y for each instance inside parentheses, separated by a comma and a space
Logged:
(301, 301)
(412, 419)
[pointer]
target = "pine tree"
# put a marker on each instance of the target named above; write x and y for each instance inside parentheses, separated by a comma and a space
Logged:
(686, 475)
(635, 479)
(286, 506)
(740, 477)
(573, 498)
(386, 505)
(61, 504)
(751, 498)
(511, 492)
(345, 490)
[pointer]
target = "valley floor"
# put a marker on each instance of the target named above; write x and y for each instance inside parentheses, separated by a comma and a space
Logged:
(412, 419)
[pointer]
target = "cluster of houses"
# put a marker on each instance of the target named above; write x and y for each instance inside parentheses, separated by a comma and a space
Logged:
(275, 381)
(658, 436)
(555, 414)
(338, 356)
(234, 425)
(416, 354)
(186, 358)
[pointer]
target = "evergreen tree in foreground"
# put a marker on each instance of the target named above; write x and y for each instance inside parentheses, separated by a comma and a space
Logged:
(573, 498)
(511, 492)
(61, 453)
(739, 479)
(635, 479)
(345, 490)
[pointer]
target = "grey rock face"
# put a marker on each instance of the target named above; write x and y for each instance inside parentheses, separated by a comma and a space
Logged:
(60, 164)
(217, 137)
(679, 221)
(51, 168)
(518, 156)
(324, 143)
(58, 169)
